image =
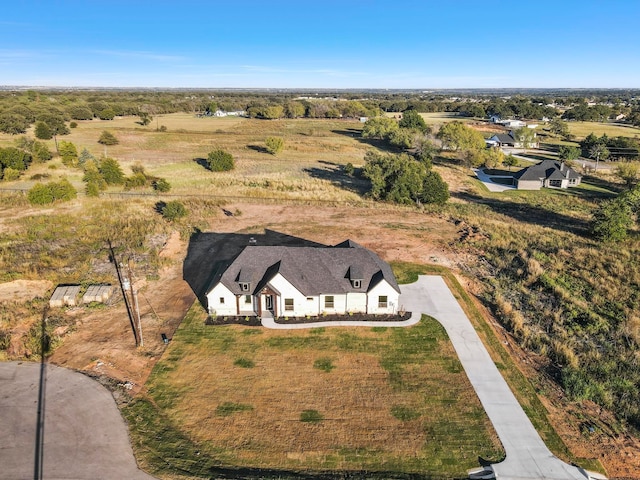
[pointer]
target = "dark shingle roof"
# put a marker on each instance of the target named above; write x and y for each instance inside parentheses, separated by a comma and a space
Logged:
(312, 270)
(503, 138)
(550, 169)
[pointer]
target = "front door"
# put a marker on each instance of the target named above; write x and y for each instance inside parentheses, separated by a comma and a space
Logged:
(268, 302)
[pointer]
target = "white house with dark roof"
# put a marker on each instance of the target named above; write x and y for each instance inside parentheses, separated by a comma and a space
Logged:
(286, 281)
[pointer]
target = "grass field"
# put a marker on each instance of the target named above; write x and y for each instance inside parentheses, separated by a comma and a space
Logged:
(310, 166)
(582, 129)
(394, 400)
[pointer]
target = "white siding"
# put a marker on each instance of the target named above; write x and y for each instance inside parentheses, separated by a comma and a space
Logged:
(339, 304)
(227, 306)
(301, 307)
(529, 184)
(357, 302)
(382, 289)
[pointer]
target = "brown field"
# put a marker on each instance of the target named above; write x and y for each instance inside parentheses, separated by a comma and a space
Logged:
(65, 243)
(359, 431)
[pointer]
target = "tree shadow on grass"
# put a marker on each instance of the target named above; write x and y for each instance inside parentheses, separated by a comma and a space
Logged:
(374, 142)
(334, 173)
(258, 148)
(202, 162)
(527, 213)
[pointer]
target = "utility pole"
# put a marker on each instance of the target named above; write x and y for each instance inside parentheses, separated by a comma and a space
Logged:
(136, 309)
(124, 285)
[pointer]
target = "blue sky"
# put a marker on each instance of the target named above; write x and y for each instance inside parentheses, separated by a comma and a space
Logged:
(321, 44)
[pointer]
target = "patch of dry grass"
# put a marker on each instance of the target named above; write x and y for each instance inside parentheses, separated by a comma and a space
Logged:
(377, 372)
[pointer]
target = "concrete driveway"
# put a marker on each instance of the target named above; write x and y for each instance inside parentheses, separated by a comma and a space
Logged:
(527, 457)
(83, 435)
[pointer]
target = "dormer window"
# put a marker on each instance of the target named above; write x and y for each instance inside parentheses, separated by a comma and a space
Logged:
(355, 277)
(244, 286)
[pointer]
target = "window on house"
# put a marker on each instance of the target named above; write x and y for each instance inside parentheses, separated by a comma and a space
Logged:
(221, 300)
(247, 299)
(382, 301)
(288, 304)
(357, 283)
(328, 301)
(309, 299)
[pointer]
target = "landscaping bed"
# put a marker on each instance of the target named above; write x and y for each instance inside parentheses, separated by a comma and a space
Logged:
(254, 321)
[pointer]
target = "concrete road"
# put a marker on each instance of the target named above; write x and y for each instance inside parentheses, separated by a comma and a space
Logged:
(83, 434)
(527, 457)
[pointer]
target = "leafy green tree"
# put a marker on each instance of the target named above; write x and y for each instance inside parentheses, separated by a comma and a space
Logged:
(510, 161)
(92, 190)
(107, 138)
(80, 112)
(526, 136)
(46, 193)
(493, 157)
(137, 180)
(379, 127)
(92, 176)
(403, 137)
(13, 124)
(272, 112)
(43, 132)
(274, 145)
(107, 114)
(69, 153)
(457, 136)
(295, 109)
(11, 157)
(111, 171)
(434, 189)
(612, 220)
(173, 210)
(24, 112)
(220, 161)
(145, 118)
(161, 185)
(401, 179)
(559, 127)
(41, 152)
(629, 173)
(474, 110)
(424, 149)
(10, 174)
(412, 119)
(568, 153)
(55, 126)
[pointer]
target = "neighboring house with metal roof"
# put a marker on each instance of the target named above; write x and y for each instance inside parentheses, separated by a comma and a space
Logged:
(548, 173)
(286, 281)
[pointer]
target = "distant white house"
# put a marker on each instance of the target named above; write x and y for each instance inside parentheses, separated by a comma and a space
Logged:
(513, 123)
(303, 281)
(235, 113)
